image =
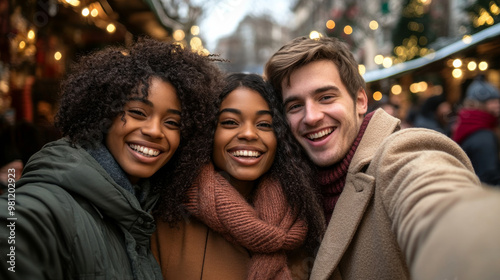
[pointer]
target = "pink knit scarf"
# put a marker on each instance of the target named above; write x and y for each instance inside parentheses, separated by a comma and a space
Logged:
(268, 229)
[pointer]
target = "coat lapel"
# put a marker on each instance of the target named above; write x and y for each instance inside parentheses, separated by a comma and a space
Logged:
(347, 216)
(354, 199)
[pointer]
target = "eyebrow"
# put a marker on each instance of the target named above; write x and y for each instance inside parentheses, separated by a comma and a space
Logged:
(238, 112)
(149, 103)
(316, 91)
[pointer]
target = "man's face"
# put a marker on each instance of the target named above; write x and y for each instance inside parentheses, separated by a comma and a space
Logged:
(322, 115)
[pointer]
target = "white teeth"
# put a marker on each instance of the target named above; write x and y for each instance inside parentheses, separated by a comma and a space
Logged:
(246, 153)
(320, 134)
(144, 150)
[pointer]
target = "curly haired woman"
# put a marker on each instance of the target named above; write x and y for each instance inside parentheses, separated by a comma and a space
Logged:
(83, 205)
(250, 213)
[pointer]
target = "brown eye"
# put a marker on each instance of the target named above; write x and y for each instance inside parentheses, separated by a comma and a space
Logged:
(134, 112)
(173, 123)
(265, 125)
(228, 123)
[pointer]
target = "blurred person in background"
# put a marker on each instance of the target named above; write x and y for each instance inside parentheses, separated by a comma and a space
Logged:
(435, 113)
(477, 129)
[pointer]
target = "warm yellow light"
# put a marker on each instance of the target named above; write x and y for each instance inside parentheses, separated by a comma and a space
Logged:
(179, 35)
(330, 24)
(361, 69)
(456, 73)
(74, 3)
(422, 86)
(387, 62)
(348, 30)
(58, 56)
(111, 28)
(315, 35)
(377, 95)
(483, 65)
(424, 51)
(204, 52)
(494, 9)
(85, 12)
(373, 25)
(94, 13)
(418, 87)
(457, 63)
(195, 43)
(414, 87)
(472, 65)
(22, 45)
(195, 30)
(467, 39)
(399, 51)
(31, 34)
(4, 86)
(379, 59)
(396, 89)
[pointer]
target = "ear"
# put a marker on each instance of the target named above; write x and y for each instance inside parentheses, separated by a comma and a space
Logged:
(361, 102)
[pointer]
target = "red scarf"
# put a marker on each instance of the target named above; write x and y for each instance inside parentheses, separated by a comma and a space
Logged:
(268, 229)
(470, 121)
(332, 179)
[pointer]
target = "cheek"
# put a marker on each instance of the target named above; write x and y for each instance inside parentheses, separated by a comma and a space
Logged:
(293, 121)
(112, 138)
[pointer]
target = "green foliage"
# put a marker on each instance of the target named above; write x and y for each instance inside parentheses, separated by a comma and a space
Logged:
(483, 14)
(413, 33)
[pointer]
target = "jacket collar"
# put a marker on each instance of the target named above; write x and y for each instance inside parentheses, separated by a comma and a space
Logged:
(355, 197)
(76, 171)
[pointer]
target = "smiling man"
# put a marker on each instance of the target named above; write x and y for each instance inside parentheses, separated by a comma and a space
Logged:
(399, 204)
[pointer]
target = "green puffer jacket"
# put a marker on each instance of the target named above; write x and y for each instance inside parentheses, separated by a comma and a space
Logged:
(72, 221)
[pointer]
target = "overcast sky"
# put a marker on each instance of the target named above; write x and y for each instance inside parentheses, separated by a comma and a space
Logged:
(222, 18)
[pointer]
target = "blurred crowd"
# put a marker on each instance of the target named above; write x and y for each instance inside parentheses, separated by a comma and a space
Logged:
(473, 124)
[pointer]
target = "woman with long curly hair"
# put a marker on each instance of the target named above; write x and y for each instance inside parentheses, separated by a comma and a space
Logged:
(83, 205)
(251, 212)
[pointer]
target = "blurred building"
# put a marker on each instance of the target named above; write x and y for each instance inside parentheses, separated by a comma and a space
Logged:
(251, 45)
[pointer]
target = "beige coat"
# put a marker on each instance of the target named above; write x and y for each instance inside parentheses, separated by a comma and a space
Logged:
(193, 251)
(409, 209)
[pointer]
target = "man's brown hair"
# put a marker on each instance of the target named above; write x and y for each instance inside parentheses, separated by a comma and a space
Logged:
(302, 50)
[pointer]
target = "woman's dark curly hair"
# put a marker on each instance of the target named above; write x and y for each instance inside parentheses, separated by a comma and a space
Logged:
(290, 166)
(101, 83)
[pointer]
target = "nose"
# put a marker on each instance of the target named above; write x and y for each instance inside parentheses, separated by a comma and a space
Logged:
(152, 128)
(248, 132)
(313, 114)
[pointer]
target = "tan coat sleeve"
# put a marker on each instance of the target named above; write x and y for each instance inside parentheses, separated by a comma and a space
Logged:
(446, 224)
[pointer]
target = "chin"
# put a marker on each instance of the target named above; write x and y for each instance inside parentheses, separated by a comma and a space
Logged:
(247, 177)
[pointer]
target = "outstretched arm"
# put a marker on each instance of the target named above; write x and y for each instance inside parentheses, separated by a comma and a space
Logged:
(446, 224)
